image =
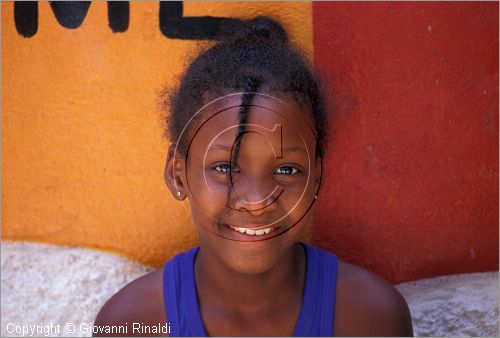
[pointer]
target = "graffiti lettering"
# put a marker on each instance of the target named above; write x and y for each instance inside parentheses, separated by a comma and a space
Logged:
(118, 15)
(175, 26)
(26, 18)
(70, 14)
(172, 23)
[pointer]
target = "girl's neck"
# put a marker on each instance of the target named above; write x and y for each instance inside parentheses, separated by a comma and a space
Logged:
(221, 287)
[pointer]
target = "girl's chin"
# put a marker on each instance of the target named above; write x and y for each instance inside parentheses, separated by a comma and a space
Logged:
(249, 257)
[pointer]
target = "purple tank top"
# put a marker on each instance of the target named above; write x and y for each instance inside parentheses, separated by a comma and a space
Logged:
(318, 302)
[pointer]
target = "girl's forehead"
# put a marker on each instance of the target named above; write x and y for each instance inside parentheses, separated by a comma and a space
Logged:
(266, 116)
(262, 109)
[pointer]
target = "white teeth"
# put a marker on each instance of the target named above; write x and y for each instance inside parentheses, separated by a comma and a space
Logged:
(252, 232)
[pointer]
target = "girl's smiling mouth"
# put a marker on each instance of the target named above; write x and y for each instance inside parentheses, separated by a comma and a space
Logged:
(256, 232)
(252, 232)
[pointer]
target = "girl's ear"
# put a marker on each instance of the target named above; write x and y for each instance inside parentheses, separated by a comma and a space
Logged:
(174, 173)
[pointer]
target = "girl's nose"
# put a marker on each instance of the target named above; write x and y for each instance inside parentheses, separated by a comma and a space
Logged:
(256, 198)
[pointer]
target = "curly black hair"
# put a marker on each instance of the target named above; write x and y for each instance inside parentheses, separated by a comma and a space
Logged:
(254, 56)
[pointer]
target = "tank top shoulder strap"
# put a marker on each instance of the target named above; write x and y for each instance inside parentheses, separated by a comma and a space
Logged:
(316, 317)
(180, 297)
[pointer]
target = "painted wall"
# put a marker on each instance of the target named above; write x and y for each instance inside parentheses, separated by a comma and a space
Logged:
(411, 185)
(412, 176)
(82, 140)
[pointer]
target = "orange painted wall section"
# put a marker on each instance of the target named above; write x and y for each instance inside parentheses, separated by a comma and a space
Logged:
(82, 144)
(412, 176)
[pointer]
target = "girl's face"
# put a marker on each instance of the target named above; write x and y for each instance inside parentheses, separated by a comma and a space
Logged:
(250, 214)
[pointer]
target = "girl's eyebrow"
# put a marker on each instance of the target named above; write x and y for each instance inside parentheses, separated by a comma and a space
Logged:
(224, 147)
(294, 149)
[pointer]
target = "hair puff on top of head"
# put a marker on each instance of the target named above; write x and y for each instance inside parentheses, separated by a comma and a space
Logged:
(260, 28)
(252, 55)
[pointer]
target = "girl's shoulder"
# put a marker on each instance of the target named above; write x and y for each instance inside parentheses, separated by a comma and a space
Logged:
(367, 305)
(140, 302)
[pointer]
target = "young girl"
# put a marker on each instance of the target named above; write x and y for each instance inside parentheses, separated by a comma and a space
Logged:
(248, 126)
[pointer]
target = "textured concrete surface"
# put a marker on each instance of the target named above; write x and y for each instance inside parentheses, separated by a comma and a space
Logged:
(454, 305)
(45, 284)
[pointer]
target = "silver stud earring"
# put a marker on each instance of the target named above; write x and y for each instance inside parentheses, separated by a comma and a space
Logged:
(178, 194)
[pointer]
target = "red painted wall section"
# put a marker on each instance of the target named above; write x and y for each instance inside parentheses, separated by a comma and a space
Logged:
(411, 178)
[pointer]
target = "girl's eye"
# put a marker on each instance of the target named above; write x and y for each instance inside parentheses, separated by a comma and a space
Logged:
(286, 170)
(224, 168)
